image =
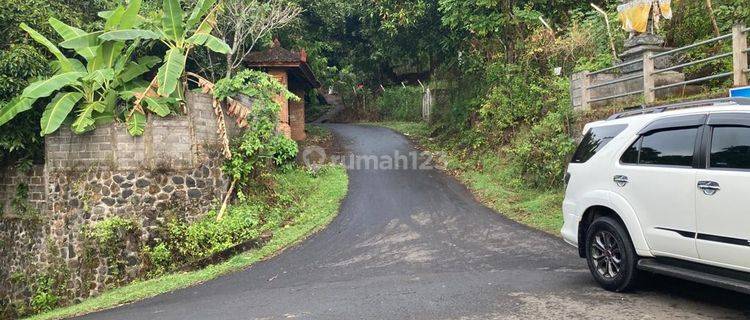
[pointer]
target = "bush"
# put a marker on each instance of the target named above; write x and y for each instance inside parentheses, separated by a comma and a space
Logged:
(541, 154)
(20, 139)
(192, 241)
(260, 146)
(257, 151)
(44, 298)
(108, 239)
(512, 100)
(157, 259)
(183, 242)
(400, 104)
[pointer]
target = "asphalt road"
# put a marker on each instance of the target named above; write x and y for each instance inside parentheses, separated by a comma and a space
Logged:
(414, 244)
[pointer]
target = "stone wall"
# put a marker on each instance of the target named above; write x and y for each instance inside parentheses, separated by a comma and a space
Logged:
(173, 169)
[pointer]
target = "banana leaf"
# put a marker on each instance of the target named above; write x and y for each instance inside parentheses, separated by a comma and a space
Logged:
(57, 110)
(136, 123)
(44, 88)
(170, 72)
(65, 64)
(14, 107)
(172, 20)
(215, 44)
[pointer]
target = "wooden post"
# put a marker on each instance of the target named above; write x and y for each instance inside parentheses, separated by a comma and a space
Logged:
(426, 105)
(649, 95)
(585, 92)
(739, 56)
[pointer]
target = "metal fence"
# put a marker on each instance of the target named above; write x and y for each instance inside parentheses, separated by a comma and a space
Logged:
(739, 71)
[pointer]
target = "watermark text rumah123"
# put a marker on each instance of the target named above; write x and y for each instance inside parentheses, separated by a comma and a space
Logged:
(314, 156)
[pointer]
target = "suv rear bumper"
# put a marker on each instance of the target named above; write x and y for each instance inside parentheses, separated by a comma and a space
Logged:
(571, 220)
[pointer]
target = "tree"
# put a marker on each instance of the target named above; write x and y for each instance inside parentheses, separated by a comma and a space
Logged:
(181, 33)
(94, 89)
(246, 22)
(22, 60)
(714, 25)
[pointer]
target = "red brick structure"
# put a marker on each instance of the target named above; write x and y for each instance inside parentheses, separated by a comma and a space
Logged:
(292, 70)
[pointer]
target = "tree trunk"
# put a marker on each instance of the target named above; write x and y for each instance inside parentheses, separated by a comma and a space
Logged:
(230, 59)
(226, 201)
(710, 8)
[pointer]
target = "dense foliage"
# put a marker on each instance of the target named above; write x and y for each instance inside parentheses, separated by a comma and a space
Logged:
(22, 60)
(91, 74)
(400, 104)
(492, 62)
(261, 146)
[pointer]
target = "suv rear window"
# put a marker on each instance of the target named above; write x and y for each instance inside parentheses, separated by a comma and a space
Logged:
(671, 147)
(668, 147)
(594, 140)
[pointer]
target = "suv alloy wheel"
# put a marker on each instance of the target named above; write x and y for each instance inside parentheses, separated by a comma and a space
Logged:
(610, 255)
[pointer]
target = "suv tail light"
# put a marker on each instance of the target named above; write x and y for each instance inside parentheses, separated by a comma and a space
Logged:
(567, 178)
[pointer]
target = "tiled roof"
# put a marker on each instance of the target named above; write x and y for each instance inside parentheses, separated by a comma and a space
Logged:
(274, 56)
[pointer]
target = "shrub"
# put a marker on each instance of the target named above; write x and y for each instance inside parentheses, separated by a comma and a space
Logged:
(260, 146)
(260, 86)
(158, 259)
(400, 104)
(192, 241)
(284, 150)
(540, 154)
(108, 239)
(258, 149)
(512, 99)
(44, 298)
(20, 138)
(109, 232)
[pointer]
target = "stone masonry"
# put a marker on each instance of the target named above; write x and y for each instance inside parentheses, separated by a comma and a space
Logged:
(174, 168)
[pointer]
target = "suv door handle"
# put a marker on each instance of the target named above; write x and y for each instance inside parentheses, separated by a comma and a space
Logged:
(620, 180)
(709, 187)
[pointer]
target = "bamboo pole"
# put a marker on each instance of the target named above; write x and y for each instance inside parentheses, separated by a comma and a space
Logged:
(609, 29)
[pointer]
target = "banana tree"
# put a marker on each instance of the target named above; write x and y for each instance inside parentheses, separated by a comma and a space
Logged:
(181, 34)
(94, 89)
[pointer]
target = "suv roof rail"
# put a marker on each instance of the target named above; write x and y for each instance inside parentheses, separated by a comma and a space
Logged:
(639, 110)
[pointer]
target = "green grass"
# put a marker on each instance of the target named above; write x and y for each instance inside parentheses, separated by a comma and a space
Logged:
(317, 134)
(321, 193)
(493, 182)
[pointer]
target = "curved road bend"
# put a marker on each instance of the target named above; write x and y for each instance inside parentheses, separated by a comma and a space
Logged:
(414, 244)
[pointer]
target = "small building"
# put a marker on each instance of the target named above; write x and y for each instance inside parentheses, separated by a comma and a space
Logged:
(292, 70)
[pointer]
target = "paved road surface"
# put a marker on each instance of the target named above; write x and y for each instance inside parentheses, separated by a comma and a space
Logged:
(414, 244)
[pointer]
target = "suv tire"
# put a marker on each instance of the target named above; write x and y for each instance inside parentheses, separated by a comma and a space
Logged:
(610, 255)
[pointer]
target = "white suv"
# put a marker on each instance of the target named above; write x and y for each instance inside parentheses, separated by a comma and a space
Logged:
(664, 190)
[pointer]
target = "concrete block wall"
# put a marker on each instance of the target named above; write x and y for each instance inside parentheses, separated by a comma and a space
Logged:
(64, 149)
(176, 142)
(12, 179)
(171, 143)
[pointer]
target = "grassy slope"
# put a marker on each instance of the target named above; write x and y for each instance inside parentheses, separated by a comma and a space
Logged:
(493, 183)
(321, 196)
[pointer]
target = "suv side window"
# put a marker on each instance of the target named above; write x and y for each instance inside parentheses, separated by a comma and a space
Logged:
(631, 155)
(594, 140)
(730, 148)
(672, 147)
